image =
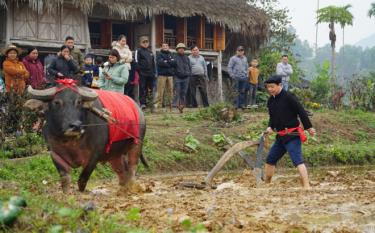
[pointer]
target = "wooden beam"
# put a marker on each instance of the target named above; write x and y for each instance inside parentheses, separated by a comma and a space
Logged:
(219, 40)
(200, 33)
(9, 23)
(181, 33)
(105, 34)
(220, 77)
(159, 30)
(153, 35)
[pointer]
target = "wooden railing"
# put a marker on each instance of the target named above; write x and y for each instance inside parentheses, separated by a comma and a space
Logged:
(191, 41)
(170, 39)
(95, 40)
(209, 43)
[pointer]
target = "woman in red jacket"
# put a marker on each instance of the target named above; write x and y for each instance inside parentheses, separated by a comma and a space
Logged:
(32, 63)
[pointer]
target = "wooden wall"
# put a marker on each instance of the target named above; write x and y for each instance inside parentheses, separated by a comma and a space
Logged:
(2, 26)
(159, 30)
(181, 34)
(48, 30)
(219, 37)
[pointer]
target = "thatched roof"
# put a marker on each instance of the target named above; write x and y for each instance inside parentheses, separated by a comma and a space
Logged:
(237, 15)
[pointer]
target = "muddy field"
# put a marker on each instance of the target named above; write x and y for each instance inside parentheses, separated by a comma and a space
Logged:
(341, 200)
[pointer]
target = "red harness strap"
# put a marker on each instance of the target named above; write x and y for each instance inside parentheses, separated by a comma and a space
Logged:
(299, 129)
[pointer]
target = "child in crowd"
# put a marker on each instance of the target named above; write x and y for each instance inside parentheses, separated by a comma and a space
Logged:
(89, 71)
(253, 74)
(99, 64)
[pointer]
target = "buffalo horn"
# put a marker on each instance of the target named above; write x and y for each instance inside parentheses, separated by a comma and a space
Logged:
(87, 94)
(44, 95)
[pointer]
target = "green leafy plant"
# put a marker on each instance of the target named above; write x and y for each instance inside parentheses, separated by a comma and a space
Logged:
(218, 139)
(191, 142)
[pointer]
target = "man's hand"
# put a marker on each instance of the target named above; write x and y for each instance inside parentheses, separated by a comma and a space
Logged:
(108, 77)
(269, 130)
(312, 132)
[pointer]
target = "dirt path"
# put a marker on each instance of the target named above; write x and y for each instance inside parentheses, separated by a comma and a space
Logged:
(341, 201)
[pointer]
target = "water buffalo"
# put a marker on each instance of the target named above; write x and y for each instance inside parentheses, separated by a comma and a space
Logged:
(73, 144)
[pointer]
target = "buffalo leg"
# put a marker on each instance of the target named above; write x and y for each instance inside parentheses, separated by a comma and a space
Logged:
(64, 170)
(133, 155)
(86, 173)
(117, 164)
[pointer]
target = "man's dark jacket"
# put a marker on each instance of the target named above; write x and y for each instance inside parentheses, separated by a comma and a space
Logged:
(183, 67)
(284, 110)
(145, 63)
(166, 63)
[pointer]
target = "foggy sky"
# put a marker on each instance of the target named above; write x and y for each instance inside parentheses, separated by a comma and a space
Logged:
(303, 13)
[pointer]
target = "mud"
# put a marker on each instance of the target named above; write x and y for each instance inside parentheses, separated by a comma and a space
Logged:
(341, 200)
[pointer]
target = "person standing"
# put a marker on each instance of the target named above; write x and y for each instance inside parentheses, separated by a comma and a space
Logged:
(166, 69)
(32, 63)
(182, 76)
(253, 82)
(285, 70)
(15, 72)
(145, 65)
(284, 110)
(74, 52)
(115, 75)
(64, 66)
(124, 51)
(238, 68)
(89, 71)
(198, 77)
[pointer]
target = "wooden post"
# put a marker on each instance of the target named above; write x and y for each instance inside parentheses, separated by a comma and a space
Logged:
(87, 34)
(220, 77)
(9, 23)
(159, 30)
(153, 35)
(181, 30)
(200, 33)
(105, 34)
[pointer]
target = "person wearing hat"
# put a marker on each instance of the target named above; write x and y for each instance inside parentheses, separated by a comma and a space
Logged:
(14, 70)
(145, 66)
(35, 67)
(237, 69)
(182, 76)
(284, 110)
(89, 71)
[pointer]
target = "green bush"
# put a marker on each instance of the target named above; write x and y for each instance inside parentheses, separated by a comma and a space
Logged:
(320, 85)
(22, 146)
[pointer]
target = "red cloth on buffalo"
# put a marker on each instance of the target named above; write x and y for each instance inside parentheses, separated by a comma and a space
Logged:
(125, 111)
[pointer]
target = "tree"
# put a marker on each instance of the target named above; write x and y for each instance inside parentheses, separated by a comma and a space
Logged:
(345, 19)
(371, 12)
(334, 15)
(281, 37)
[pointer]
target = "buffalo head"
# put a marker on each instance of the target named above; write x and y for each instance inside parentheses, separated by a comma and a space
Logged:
(62, 107)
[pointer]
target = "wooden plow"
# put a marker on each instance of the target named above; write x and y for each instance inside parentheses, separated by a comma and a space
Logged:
(255, 164)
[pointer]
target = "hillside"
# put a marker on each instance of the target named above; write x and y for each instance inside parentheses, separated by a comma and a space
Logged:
(367, 42)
